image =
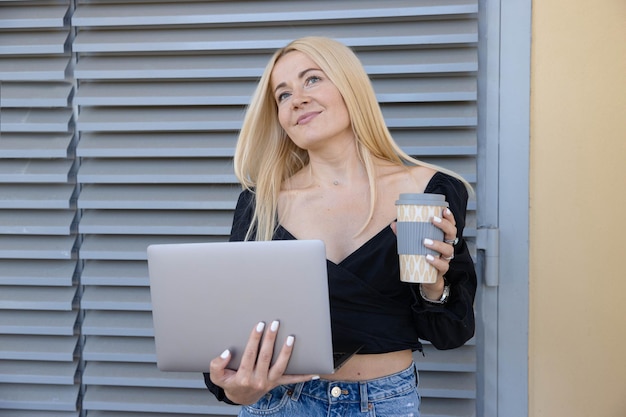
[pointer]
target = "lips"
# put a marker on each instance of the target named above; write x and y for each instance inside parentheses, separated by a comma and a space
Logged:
(306, 117)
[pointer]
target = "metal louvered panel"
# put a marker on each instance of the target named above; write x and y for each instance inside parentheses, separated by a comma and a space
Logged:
(39, 315)
(156, 91)
(162, 88)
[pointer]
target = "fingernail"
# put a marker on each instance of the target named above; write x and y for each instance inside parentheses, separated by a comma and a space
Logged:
(274, 326)
(428, 241)
(448, 211)
(437, 219)
(430, 257)
(225, 354)
(290, 340)
(315, 377)
(260, 327)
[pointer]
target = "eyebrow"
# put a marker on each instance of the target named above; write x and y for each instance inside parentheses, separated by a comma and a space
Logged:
(300, 75)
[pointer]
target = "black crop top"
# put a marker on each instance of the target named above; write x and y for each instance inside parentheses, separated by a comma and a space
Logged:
(370, 306)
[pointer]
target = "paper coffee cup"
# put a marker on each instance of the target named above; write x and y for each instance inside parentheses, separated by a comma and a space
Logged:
(415, 212)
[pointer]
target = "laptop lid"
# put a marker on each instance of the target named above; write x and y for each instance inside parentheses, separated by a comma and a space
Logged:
(207, 297)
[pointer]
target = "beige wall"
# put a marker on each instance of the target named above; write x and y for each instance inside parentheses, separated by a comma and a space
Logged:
(577, 341)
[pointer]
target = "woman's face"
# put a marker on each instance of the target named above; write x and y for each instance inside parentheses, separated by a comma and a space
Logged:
(310, 108)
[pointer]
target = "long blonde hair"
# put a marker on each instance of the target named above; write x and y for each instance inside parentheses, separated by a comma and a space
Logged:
(265, 156)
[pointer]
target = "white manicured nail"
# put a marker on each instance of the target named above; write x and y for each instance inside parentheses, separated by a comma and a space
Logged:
(260, 327)
(437, 219)
(428, 241)
(430, 257)
(290, 340)
(274, 326)
(225, 354)
(315, 377)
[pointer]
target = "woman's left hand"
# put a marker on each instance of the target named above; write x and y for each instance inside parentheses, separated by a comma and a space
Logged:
(446, 250)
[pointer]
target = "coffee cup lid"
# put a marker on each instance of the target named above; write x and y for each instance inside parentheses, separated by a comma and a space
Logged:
(422, 199)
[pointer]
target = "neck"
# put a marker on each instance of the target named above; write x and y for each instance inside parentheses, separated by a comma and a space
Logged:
(343, 173)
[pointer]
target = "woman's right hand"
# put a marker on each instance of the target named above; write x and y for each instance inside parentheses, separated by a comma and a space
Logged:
(256, 375)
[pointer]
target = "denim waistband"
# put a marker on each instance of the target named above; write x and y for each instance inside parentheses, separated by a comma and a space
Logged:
(362, 391)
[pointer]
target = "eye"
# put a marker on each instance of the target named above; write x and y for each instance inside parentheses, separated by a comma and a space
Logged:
(282, 96)
(313, 79)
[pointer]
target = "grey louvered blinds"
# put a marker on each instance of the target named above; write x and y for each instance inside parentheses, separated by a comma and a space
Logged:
(39, 312)
(118, 122)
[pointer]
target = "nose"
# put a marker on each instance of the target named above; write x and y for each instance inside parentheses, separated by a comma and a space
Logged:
(299, 97)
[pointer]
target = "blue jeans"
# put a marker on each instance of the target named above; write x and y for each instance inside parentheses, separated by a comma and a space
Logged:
(394, 395)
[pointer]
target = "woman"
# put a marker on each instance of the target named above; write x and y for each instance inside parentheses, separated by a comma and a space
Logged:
(317, 162)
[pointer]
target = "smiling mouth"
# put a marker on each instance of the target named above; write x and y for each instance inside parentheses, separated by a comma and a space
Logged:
(305, 118)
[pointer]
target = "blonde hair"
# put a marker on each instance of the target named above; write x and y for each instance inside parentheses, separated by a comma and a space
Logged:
(265, 156)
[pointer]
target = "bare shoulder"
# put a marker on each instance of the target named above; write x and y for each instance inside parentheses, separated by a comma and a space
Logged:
(406, 179)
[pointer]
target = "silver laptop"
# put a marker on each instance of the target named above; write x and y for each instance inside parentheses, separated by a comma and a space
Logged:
(207, 297)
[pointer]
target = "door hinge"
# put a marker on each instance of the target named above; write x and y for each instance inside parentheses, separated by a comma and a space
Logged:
(488, 241)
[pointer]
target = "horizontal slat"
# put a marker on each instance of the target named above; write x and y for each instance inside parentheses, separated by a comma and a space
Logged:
(397, 33)
(40, 42)
(33, 145)
(116, 323)
(36, 272)
(430, 115)
(180, 197)
(151, 67)
(37, 196)
(447, 407)
(462, 359)
(37, 298)
(426, 61)
(37, 222)
(34, 372)
(157, 171)
(37, 323)
(161, 222)
(124, 299)
(139, 374)
(35, 120)
(416, 90)
(159, 119)
(30, 413)
(38, 348)
(129, 247)
(40, 397)
(157, 144)
(115, 273)
(383, 62)
(197, 401)
(35, 94)
(34, 69)
(437, 142)
(119, 349)
(37, 247)
(266, 11)
(447, 385)
(41, 16)
(166, 93)
(35, 170)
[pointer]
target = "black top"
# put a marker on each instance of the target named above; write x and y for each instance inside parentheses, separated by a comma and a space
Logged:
(369, 304)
